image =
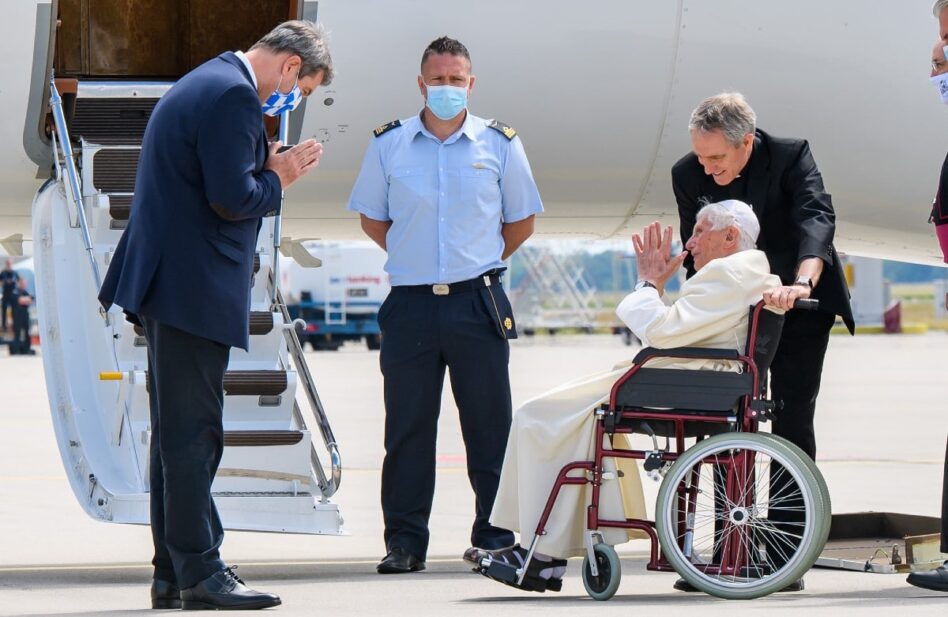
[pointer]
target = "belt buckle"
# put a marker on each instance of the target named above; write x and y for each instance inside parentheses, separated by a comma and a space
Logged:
(441, 289)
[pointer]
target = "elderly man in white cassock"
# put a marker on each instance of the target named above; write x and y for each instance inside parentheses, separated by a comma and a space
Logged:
(557, 427)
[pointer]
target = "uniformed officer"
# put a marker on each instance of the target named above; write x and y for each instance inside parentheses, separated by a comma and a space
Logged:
(449, 196)
(22, 299)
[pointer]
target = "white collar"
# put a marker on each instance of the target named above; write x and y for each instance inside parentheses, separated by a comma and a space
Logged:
(243, 58)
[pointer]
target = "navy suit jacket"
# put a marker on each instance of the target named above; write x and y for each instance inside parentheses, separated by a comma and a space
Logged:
(186, 257)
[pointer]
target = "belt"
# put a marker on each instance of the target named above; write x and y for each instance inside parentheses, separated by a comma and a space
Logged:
(445, 289)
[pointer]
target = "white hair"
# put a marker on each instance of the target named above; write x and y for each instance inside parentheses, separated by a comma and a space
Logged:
(938, 7)
(734, 213)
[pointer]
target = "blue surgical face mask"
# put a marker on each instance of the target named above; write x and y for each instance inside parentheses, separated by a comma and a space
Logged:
(279, 102)
(446, 102)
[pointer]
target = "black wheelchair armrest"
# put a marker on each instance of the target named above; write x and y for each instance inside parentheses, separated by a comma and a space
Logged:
(686, 352)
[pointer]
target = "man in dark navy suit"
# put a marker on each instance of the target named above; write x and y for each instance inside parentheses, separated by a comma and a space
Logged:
(183, 269)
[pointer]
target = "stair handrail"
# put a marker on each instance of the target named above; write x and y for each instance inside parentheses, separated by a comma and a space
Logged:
(328, 486)
(59, 119)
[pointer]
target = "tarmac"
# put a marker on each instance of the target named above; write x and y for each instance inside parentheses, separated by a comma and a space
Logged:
(881, 428)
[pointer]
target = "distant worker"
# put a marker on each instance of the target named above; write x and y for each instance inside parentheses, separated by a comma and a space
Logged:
(450, 196)
(183, 270)
(732, 159)
(937, 579)
(22, 300)
(8, 277)
(558, 427)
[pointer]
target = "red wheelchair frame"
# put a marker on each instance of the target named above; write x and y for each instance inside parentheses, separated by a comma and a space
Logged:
(618, 417)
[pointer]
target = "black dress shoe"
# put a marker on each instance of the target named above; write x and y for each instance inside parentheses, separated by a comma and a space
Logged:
(683, 585)
(399, 561)
(936, 580)
(224, 590)
(165, 594)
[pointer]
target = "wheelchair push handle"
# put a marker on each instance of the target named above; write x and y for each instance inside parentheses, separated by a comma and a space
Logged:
(806, 304)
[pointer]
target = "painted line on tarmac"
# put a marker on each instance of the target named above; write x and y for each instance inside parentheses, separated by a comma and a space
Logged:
(255, 564)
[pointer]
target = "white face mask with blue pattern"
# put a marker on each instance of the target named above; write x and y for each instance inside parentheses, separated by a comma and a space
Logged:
(280, 102)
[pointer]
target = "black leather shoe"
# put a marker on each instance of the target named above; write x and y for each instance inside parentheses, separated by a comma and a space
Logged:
(224, 590)
(165, 594)
(683, 585)
(936, 580)
(399, 561)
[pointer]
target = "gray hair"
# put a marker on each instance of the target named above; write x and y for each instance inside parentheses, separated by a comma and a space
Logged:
(305, 39)
(725, 214)
(727, 112)
(938, 7)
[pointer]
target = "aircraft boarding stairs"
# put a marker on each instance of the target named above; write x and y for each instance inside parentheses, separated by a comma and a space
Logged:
(270, 477)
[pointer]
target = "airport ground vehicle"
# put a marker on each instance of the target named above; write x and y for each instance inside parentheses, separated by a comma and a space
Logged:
(340, 300)
(717, 521)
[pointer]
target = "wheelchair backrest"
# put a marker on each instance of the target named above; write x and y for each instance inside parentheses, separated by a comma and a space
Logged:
(763, 336)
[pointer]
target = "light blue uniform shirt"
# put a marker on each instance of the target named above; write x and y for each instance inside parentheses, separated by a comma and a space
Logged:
(446, 200)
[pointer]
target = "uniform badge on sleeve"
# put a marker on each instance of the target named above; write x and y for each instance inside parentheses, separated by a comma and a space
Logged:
(508, 323)
(385, 128)
(505, 130)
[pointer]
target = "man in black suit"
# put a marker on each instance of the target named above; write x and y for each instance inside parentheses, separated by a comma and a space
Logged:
(183, 269)
(937, 579)
(732, 159)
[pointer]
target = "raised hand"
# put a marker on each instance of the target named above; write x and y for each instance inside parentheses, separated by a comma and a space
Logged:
(653, 254)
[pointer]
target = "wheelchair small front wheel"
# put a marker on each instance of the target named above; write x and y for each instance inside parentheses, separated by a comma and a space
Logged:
(605, 585)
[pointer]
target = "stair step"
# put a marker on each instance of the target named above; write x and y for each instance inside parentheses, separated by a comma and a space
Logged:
(261, 322)
(262, 438)
(251, 383)
(120, 120)
(120, 206)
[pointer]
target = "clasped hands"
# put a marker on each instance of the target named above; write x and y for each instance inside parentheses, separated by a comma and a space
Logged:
(292, 164)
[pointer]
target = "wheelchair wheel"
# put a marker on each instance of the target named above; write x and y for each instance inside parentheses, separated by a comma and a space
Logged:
(722, 527)
(605, 585)
(811, 465)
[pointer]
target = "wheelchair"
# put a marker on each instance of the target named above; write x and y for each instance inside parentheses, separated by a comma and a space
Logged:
(739, 514)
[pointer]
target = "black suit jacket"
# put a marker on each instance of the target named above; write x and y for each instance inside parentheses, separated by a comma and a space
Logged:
(797, 221)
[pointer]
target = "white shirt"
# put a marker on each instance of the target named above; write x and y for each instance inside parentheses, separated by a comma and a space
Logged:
(243, 58)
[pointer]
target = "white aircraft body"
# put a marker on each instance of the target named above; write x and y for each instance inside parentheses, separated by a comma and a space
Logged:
(600, 93)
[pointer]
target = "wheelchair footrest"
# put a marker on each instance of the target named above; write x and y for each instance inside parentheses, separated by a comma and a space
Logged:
(507, 574)
(503, 572)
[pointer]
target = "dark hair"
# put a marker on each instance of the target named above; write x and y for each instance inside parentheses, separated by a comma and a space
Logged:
(445, 45)
(305, 39)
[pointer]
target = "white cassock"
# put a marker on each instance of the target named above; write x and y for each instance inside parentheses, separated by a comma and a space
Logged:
(557, 428)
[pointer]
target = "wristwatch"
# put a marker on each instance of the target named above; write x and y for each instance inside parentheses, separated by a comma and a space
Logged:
(644, 284)
(804, 281)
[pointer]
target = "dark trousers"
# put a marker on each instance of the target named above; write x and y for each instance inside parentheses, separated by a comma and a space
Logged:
(186, 395)
(7, 302)
(21, 342)
(944, 506)
(422, 334)
(795, 375)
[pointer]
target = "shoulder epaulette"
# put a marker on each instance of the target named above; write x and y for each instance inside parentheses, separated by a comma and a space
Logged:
(385, 128)
(503, 129)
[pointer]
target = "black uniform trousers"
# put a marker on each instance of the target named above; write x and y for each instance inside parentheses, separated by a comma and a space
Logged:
(422, 334)
(186, 396)
(21, 342)
(795, 375)
(6, 302)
